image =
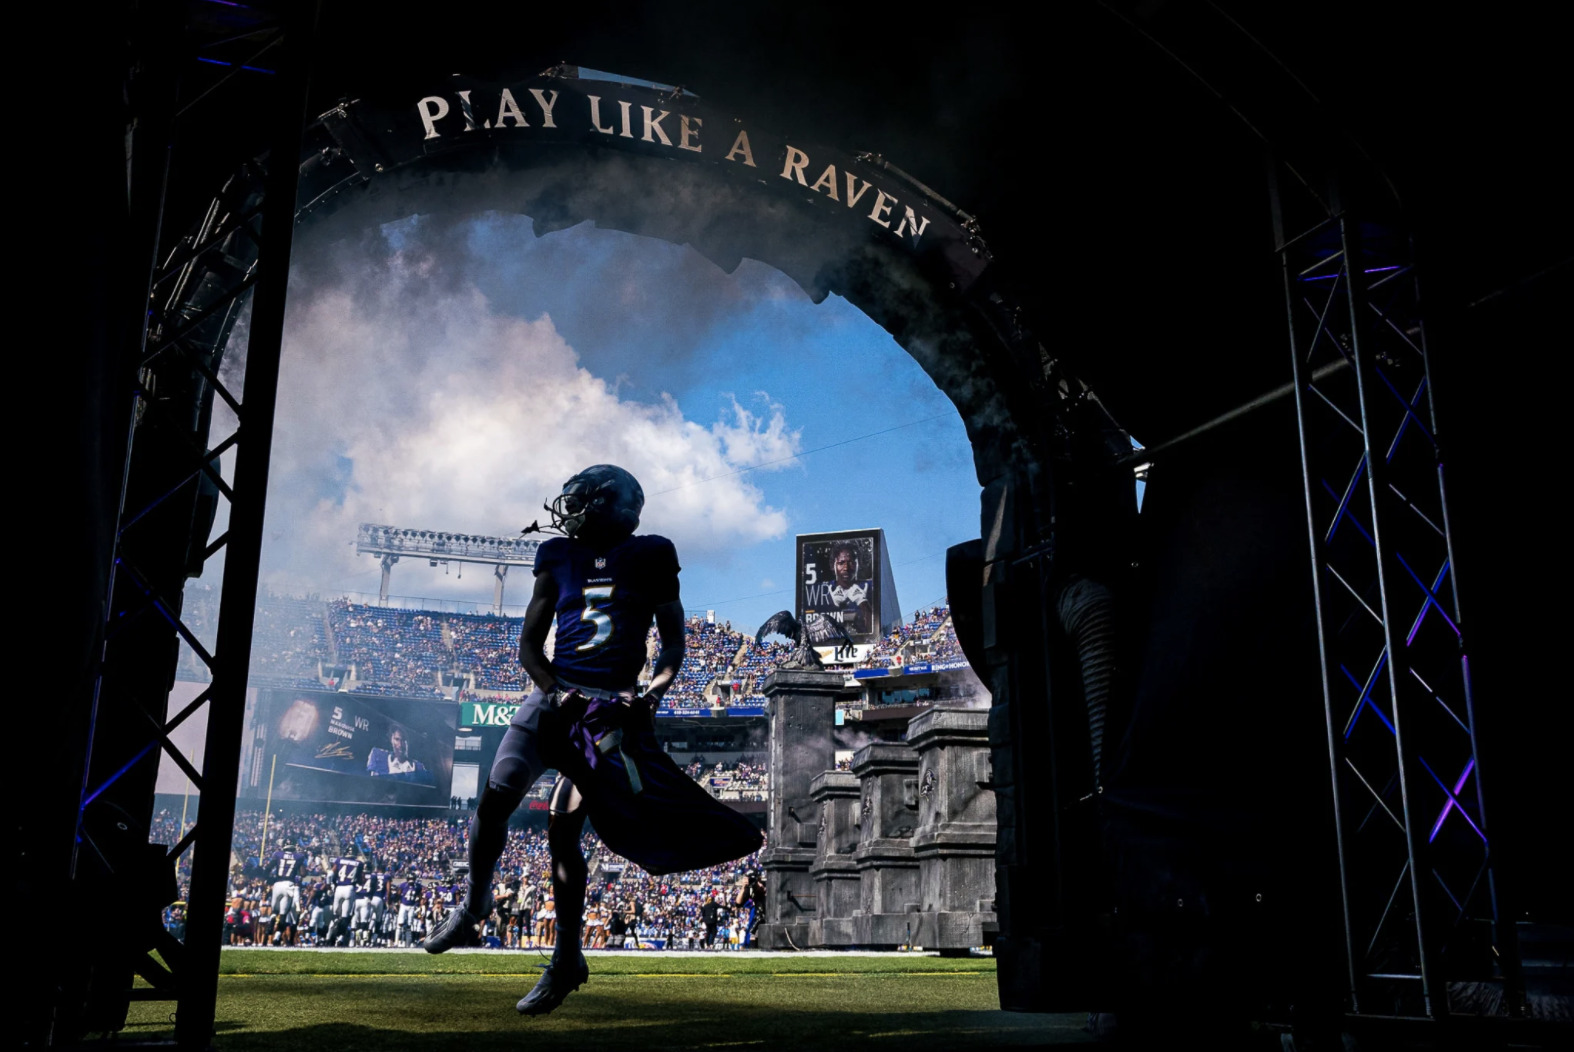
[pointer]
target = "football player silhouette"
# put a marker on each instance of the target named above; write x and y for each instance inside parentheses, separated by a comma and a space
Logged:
(588, 719)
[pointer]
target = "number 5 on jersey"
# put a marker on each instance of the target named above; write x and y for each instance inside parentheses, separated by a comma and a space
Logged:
(601, 593)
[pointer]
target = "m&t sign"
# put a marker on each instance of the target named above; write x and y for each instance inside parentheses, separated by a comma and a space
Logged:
(486, 713)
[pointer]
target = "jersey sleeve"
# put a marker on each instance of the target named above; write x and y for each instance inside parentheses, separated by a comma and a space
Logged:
(662, 564)
(548, 555)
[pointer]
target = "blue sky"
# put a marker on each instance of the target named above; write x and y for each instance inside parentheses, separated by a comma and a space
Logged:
(450, 374)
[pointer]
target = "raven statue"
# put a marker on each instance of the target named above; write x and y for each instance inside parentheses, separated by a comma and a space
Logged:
(815, 629)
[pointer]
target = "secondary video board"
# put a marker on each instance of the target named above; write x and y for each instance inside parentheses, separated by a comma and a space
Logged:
(350, 748)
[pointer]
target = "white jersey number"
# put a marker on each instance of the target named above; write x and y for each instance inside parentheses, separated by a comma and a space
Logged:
(601, 593)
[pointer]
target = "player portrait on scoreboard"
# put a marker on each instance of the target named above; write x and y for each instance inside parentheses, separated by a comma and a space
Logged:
(837, 580)
(334, 746)
(394, 761)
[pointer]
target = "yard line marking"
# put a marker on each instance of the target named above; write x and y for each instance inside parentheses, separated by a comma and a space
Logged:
(603, 975)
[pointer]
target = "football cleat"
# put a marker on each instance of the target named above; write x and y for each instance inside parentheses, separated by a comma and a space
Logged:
(557, 981)
(457, 929)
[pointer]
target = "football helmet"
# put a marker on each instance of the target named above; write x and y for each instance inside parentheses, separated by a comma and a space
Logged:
(600, 504)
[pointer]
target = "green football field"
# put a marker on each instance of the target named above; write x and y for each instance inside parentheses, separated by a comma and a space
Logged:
(380, 1001)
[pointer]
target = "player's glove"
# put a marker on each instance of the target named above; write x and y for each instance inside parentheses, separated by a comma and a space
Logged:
(646, 705)
(852, 595)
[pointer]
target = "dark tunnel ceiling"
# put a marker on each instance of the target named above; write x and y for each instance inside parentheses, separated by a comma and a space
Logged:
(1126, 206)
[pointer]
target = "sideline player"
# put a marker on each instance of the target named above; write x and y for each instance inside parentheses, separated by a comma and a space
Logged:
(587, 719)
(409, 902)
(377, 891)
(288, 869)
(365, 916)
(347, 873)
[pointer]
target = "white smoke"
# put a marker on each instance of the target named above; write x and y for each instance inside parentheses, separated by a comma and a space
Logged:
(407, 398)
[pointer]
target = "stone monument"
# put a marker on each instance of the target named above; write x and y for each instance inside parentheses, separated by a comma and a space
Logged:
(801, 708)
(834, 870)
(955, 840)
(887, 775)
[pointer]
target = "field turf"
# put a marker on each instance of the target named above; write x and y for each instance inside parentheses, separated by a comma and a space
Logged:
(380, 1001)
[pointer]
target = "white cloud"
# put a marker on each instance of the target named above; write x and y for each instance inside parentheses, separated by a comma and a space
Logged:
(758, 438)
(408, 400)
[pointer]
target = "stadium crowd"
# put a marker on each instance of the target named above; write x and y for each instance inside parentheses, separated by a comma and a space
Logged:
(372, 879)
(311, 879)
(743, 780)
(929, 636)
(412, 653)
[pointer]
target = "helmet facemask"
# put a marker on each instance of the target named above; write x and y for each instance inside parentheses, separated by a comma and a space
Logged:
(569, 512)
(600, 505)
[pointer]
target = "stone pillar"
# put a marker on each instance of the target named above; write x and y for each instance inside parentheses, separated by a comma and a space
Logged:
(887, 868)
(801, 709)
(835, 873)
(955, 841)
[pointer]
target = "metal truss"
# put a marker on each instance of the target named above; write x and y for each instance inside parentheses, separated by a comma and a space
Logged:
(239, 251)
(1415, 859)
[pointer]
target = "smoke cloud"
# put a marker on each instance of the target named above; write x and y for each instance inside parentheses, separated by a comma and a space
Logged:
(409, 396)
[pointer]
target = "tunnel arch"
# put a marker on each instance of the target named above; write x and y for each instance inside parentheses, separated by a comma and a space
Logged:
(909, 259)
(782, 66)
(1056, 503)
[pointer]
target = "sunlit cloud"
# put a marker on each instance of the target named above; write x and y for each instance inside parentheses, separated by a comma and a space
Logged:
(410, 400)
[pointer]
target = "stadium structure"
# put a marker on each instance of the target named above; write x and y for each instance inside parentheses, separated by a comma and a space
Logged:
(450, 681)
(1274, 756)
(715, 707)
(391, 543)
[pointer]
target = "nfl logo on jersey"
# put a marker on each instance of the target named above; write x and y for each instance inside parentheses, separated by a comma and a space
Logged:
(601, 564)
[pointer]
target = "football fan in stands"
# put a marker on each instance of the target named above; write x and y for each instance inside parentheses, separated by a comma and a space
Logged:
(404, 652)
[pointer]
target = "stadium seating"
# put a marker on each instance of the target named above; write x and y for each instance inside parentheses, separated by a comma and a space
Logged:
(289, 638)
(929, 636)
(412, 653)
